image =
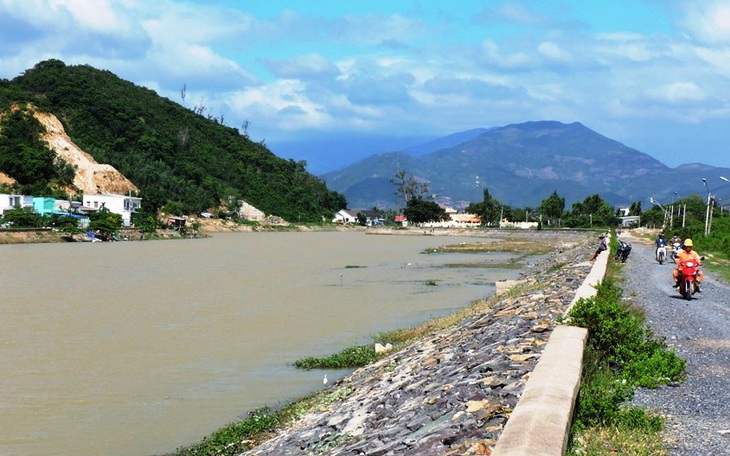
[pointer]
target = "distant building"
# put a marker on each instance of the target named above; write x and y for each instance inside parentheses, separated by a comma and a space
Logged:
(455, 220)
(343, 216)
(8, 202)
(118, 204)
(631, 220)
(518, 225)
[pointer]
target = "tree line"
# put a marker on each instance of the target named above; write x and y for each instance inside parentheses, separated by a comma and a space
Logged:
(686, 217)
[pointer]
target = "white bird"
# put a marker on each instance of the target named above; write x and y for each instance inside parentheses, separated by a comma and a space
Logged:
(324, 380)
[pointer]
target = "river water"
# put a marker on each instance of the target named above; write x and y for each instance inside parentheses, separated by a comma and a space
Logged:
(137, 348)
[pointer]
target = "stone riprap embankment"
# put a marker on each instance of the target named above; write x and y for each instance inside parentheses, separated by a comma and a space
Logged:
(450, 393)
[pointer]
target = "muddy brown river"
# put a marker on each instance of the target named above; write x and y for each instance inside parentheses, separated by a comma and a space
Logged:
(137, 348)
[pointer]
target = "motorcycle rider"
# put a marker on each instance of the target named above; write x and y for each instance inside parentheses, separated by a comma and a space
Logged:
(661, 241)
(687, 254)
(676, 240)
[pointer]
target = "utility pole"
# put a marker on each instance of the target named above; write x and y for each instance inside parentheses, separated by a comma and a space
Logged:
(707, 213)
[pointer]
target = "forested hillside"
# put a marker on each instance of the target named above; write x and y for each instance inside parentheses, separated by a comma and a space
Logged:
(178, 158)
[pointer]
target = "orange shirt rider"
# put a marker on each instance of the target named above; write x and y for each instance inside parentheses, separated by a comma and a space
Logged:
(685, 255)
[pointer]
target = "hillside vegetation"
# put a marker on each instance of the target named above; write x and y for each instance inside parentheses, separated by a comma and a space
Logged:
(178, 158)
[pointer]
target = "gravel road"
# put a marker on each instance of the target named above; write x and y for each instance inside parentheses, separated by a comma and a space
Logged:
(697, 412)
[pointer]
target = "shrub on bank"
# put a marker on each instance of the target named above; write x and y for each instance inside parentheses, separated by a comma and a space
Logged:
(621, 354)
(356, 356)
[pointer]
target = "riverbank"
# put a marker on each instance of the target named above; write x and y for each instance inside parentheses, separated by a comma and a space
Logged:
(207, 227)
(48, 236)
(452, 391)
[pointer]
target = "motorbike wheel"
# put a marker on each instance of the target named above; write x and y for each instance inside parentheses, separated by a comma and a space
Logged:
(687, 290)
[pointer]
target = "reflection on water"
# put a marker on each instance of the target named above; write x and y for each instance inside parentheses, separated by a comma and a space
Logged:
(137, 348)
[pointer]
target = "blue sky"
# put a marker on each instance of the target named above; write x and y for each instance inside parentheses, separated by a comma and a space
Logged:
(652, 74)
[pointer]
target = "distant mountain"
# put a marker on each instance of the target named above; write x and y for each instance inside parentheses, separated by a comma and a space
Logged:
(446, 142)
(331, 153)
(520, 164)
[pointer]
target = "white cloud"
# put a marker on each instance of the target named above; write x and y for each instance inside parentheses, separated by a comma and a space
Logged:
(718, 58)
(681, 92)
(98, 15)
(513, 13)
(491, 55)
(304, 66)
(631, 46)
(708, 21)
(553, 52)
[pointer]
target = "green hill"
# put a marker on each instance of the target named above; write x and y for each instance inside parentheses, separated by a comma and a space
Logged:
(176, 156)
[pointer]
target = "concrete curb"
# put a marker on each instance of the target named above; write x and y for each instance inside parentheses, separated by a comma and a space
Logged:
(540, 422)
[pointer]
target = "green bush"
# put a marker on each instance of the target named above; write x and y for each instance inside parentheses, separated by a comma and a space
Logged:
(621, 354)
(357, 356)
(233, 438)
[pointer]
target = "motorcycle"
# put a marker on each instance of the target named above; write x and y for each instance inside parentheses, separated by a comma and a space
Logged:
(661, 254)
(676, 247)
(624, 248)
(688, 279)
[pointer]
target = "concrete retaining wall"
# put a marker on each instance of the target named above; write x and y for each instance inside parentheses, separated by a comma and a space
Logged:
(540, 423)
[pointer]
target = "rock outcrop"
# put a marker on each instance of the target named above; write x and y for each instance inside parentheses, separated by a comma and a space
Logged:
(5, 179)
(91, 177)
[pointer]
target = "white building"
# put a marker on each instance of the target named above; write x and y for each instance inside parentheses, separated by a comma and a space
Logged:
(8, 202)
(344, 216)
(118, 204)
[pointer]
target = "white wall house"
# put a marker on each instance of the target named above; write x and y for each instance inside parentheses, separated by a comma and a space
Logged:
(8, 202)
(344, 216)
(118, 204)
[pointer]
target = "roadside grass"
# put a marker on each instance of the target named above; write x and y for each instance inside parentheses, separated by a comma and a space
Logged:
(622, 353)
(719, 263)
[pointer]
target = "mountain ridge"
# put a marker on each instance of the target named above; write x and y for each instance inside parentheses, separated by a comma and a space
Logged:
(520, 164)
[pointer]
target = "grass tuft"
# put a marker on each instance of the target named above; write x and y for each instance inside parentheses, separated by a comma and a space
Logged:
(356, 356)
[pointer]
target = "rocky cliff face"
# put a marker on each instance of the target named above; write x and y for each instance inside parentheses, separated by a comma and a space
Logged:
(91, 177)
(5, 179)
